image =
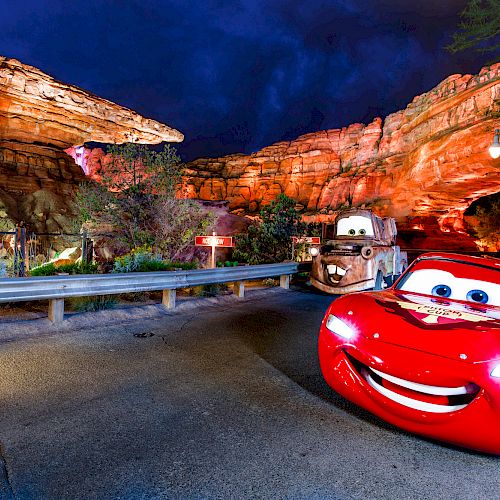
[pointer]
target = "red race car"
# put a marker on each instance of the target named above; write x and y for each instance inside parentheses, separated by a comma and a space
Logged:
(424, 354)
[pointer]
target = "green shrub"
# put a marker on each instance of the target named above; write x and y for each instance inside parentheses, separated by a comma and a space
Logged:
(270, 282)
(143, 260)
(44, 270)
(51, 269)
(185, 266)
(271, 240)
(90, 304)
(152, 266)
(136, 296)
(140, 259)
(211, 290)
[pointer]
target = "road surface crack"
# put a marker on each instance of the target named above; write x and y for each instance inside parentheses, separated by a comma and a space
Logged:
(6, 490)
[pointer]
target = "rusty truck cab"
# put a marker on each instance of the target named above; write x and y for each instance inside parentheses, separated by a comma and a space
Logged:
(357, 253)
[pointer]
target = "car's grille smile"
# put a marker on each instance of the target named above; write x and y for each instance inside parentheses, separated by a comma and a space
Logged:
(428, 398)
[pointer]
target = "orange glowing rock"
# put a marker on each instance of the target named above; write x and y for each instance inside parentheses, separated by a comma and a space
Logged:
(40, 118)
(429, 160)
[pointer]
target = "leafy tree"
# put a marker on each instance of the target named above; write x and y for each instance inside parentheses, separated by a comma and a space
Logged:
(176, 223)
(271, 240)
(136, 201)
(479, 27)
(488, 223)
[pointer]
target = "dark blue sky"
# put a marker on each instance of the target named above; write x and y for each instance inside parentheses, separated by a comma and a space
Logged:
(237, 75)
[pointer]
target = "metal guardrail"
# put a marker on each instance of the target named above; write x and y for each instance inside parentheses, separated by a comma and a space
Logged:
(57, 288)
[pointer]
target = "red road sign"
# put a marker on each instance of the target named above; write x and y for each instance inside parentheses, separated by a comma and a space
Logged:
(310, 240)
(215, 241)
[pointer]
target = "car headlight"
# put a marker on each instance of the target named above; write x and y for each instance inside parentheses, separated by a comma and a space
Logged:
(340, 328)
(314, 251)
(496, 372)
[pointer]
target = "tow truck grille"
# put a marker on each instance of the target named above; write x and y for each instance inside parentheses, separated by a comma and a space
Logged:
(342, 251)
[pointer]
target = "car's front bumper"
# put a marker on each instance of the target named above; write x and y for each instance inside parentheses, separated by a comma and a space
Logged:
(475, 426)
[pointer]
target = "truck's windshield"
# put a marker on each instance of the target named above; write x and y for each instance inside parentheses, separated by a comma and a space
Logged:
(355, 225)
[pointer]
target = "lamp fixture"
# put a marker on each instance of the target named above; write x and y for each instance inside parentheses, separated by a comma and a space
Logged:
(495, 147)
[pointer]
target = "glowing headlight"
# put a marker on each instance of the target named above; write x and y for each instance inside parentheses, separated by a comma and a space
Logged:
(496, 372)
(338, 327)
(314, 251)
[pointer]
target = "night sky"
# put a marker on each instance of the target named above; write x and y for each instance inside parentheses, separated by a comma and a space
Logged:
(237, 75)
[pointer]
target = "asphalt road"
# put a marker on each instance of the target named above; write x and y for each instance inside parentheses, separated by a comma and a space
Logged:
(226, 400)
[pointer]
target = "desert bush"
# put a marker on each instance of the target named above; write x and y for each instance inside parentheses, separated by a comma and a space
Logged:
(91, 304)
(271, 240)
(136, 296)
(51, 269)
(136, 199)
(270, 282)
(211, 290)
(175, 224)
(142, 260)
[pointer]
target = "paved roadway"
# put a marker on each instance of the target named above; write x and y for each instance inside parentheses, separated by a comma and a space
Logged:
(225, 401)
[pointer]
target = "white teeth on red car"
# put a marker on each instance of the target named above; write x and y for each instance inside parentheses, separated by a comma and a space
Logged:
(426, 389)
(421, 388)
(412, 403)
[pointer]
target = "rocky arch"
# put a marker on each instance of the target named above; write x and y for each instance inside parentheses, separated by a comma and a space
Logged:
(40, 118)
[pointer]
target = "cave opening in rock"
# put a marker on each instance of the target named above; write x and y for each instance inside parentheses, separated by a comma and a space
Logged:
(483, 218)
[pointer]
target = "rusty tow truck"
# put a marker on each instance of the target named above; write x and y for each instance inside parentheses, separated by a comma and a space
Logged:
(358, 252)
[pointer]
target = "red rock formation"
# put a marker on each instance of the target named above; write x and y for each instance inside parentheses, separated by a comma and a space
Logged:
(39, 119)
(428, 160)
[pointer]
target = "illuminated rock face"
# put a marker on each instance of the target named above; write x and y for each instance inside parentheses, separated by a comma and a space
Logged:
(39, 119)
(429, 160)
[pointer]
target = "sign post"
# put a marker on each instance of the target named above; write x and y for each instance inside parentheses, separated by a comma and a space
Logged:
(213, 242)
(306, 240)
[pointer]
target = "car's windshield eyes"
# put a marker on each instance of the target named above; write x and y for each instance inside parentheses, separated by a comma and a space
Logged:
(444, 284)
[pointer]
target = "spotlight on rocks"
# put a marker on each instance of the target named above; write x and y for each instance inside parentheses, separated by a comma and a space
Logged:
(495, 147)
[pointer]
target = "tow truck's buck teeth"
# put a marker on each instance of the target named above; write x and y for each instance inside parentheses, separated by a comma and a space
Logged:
(333, 269)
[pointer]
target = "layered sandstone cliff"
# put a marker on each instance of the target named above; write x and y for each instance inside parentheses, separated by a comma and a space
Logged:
(428, 160)
(40, 118)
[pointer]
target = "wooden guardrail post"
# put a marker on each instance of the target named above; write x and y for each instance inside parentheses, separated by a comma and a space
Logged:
(285, 281)
(168, 298)
(239, 289)
(20, 251)
(56, 310)
(87, 248)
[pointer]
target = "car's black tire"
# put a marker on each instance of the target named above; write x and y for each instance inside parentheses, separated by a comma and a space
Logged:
(378, 281)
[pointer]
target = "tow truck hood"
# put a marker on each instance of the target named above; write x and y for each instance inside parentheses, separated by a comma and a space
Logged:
(444, 328)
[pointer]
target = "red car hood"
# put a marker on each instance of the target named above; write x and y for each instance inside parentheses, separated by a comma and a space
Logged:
(445, 328)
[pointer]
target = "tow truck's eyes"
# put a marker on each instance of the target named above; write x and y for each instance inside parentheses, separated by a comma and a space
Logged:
(441, 291)
(355, 225)
(444, 284)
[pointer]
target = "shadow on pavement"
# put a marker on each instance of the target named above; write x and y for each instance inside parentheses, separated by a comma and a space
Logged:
(273, 334)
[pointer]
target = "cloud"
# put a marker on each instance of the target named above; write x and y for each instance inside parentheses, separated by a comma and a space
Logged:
(236, 75)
